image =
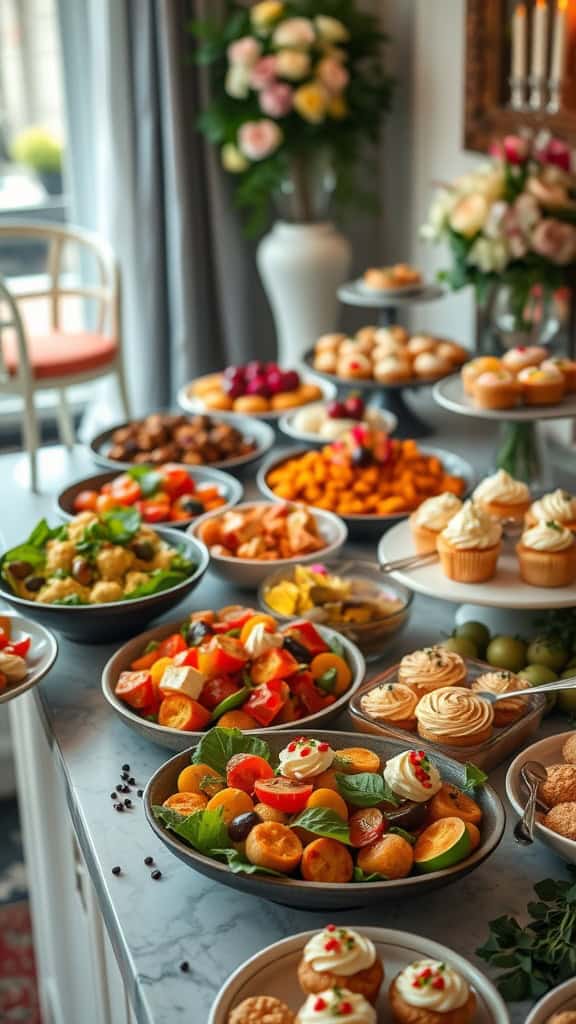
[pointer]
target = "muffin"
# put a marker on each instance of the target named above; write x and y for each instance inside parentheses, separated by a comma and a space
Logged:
(391, 703)
(325, 361)
(394, 332)
(261, 1010)
(431, 668)
(559, 505)
(339, 1005)
(562, 820)
(354, 367)
(567, 368)
(559, 786)
(452, 352)
(431, 992)
(496, 389)
(421, 343)
(392, 370)
(519, 358)
(472, 370)
(547, 555)
(341, 957)
(502, 681)
(430, 365)
(352, 346)
(469, 545)
(367, 334)
(455, 716)
(430, 518)
(503, 497)
(542, 386)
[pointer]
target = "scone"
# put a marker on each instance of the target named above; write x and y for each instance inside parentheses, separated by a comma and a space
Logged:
(261, 1010)
(341, 958)
(503, 497)
(394, 331)
(469, 546)
(392, 370)
(431, 668)
(498, 682)
(431, 992)
(430, 518)
(454, 716)
(421, 343)
(338, 1005)
(547, 555)
(391, 703)
(559, 786)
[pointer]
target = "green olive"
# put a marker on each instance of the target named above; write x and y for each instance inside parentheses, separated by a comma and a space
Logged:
(477, 632)
(547, 652)
(506, 652)
(461, 645)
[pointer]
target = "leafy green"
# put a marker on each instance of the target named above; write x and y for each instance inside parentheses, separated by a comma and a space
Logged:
(239, 864)
(219, 745)
(323, 822)
(474, 778)
(121, 524)
(542, 954)
(180, 563)
(72, 600)
(148, 480)
(158, 580)
(361, 876)
(32, 550)
(327, 681)
(204, 830)
(365, 789)
(234, 700)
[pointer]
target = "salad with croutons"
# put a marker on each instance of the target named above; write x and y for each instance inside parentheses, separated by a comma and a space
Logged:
(94, 559)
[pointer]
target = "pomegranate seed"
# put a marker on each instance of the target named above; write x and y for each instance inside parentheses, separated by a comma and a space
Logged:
(438, 983)
(323, 747)
(291, 748)
(332, 946)
(426, 973)
(320, 1004)
(330, 927)
(305, 751)
(345, 1007)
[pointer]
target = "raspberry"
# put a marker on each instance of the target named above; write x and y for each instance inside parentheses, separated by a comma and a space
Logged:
(330, 927)
(320, 1004)
(291, 748)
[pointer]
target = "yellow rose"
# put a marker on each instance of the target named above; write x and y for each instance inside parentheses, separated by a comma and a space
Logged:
(232, 159)
(331, 29)
(266, 13)
(292, 64)
(338, 108)
(311, 102)
(469, 215)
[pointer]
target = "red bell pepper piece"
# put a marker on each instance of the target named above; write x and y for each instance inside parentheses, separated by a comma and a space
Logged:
(311, 697)
(274, 664)
(266, 701)
(233, 616)
(19, 648)
(171, 646)
(135, 689)
(189, 656)
(222, 655)
(307, 634)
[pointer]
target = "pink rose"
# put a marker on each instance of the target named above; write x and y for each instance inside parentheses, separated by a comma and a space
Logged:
(276, 99)
(244, 51)
(263, 72)
(333, 75)
(555, 240)
(259, 139)
(557, 154)
(513, 149)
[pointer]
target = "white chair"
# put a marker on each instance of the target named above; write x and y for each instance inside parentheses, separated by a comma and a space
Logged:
(56, 358)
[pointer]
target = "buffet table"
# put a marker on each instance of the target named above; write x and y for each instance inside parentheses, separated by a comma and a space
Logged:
(111, 948)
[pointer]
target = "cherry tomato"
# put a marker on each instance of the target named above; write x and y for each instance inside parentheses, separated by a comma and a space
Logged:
(223, 655)
(243, 770)
(283, 794)
(154, 511)
(171, 646)
(85, 501)
(176, 480)
(366, 826)
(135, 689)
(177, 711)
(126, 490)
(105, 502)
(20, 647)
(216, 690)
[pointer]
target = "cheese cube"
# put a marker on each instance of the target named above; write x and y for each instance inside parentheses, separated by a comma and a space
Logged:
(182, 679)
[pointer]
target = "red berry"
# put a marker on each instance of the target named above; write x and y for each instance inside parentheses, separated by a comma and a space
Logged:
(330, 927)
(345, 1007)
(305, 751)
(291, 748)
(438, 983)
(354, 407)
(258, 385)
(320, 1004)
(290, 380)
(336, 410)
(274, 380)
(254, 368)
(332, 946)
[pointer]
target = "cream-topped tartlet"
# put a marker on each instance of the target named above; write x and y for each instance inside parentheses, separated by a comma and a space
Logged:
(431, 668)
(339, 1005)
(502, 496)
(559, 505)
(393, 703)
(430, 518)
(304, 758)
(340, 957)
(429, 992)
(516, 359)
(502, 681)
(469, 546)
(411, 775)
(542, 385)
(455, 716)
(547, 555)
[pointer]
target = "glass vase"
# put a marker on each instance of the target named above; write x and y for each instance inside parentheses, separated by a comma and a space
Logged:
(307, 190)
(524, 315)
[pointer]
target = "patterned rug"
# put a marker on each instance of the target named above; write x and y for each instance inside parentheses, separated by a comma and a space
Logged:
(18, 987)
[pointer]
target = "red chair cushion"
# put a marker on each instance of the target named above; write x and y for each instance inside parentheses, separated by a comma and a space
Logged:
(62, 355)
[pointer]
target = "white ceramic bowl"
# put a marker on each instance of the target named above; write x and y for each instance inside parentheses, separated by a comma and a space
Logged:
(248, 573)
(40, 658)
(386, 421)
(547, 752)
(189, 403)
(561, 998)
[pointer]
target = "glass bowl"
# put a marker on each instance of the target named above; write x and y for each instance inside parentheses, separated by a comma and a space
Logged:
(370, 583)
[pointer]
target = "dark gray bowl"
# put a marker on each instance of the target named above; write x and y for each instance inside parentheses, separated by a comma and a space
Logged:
(369, 527)
(230, 488)
(318, 895)
(101, 623)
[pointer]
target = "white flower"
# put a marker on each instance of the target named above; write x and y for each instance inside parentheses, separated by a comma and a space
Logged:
(489, 255)
(494, 226)
(294, 32)
(331, 29)
(527, 212)
(237, 82)
(438, 215)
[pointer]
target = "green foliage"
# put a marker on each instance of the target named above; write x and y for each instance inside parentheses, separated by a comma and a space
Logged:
(37, 148)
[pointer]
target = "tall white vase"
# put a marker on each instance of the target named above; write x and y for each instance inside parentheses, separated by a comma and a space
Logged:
(301, 266)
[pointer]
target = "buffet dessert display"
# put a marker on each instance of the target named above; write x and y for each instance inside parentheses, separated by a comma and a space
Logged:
(255, 388)
(386, 355)
(523, 376)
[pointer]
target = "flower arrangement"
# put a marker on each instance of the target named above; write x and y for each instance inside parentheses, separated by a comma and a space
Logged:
(512, 221)
(292, 78)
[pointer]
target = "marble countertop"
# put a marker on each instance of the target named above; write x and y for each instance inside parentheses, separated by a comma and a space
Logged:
(154, 926)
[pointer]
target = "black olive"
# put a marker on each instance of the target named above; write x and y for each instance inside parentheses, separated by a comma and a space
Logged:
(143, 550)
(82, 571)
(192, 506)
(240, 826)
(20, 570)
(197, 632)
(362, 457)
(297, 650)
(34, 583)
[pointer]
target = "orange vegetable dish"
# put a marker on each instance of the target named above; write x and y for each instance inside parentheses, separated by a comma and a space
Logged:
(263, 532)
(331, 480)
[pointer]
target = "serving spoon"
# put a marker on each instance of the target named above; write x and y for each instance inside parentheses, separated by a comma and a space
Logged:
(533, 774)
(559, 684)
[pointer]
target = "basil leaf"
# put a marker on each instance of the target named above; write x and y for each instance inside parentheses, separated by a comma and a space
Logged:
(361, 876)
(152, 645)
(395, 830)
(148, 480)
(219, 745)
(241, 865)
(365, 790)
(159, 580)
(180, 563)
(121, 524)
(234, 700)
(32, 550)
(474, 778)
(323, 822)
(205, 830)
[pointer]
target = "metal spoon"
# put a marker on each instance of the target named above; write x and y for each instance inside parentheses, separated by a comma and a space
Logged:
(533, 773)
(560, 684)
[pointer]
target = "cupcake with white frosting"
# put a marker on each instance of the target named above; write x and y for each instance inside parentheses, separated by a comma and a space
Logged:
(304, 758)
(341, 958)
(431, 992)
(455, 716)
(411, 775)
(391, 703)
(339, 1005)
(503, 497)
(430, 518)
(547, 555)
(469, 546)
(559, 505)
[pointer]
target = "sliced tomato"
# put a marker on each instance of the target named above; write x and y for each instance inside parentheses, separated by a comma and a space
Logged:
(176, 480)
(135, 689)
(145, 661)
(216, 690)
(266, 701)
(20, 647)
(235, 615)
(105, 502)
(276, 663)
(187, 657)
(311, 697)
(180, 712)
(366, 826)
(85, 501)
(125, 489)
(222, 655)
(283, 794)
(171, 646)
(243, 770)
(154, 511)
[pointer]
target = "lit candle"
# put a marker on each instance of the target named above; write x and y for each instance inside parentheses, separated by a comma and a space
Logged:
(559, 47)
(539, 39)
(519, 42)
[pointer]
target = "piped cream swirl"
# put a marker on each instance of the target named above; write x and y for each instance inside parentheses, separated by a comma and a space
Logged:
(502, 682)
(329, 1006)
(431, 668)
(453, 711)
(341, 951)
(471, 527)
(547, 536)
(412, 776)
(558, 506)
(503, 488)
(432, 985)
(435, 513)
(391, 702)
